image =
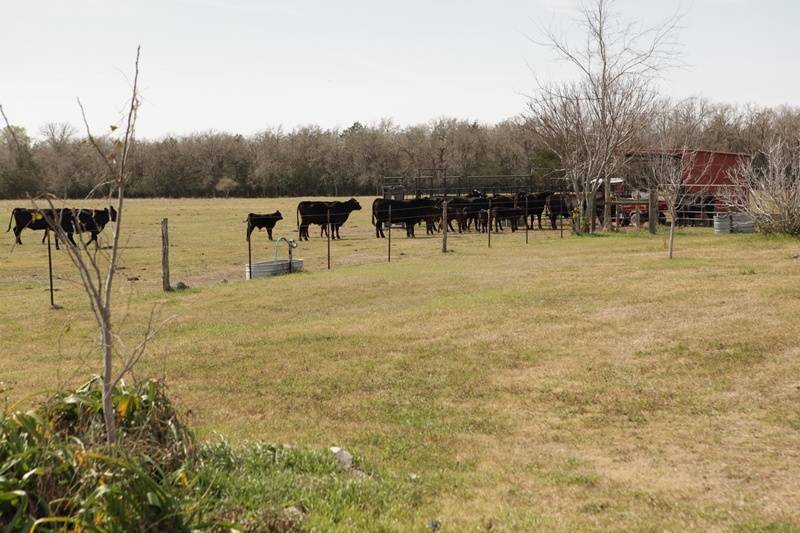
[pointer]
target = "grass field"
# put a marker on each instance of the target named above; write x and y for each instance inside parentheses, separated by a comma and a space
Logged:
(566, 384)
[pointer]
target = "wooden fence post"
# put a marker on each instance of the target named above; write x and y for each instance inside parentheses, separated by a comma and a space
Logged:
(653, 207)
(165, 255)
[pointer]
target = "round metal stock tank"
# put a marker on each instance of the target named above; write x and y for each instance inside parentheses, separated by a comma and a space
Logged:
(722, 223)
(266, 269)
(743, 223)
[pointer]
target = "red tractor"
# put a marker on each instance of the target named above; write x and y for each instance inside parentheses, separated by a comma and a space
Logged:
(638, 212)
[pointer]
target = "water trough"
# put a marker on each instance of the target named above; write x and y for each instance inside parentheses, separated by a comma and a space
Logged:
(265, 269)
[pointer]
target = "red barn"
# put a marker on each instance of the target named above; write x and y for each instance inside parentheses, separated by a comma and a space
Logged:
(721, 174)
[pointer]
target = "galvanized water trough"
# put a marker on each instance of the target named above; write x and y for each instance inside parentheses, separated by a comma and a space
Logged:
(265, 269)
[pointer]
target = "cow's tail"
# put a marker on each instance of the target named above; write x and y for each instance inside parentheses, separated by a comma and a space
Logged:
(13, 211)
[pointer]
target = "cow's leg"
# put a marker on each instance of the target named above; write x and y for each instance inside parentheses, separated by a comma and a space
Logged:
(44, 237)
(269, 233)
(336, 227)
(17, 232)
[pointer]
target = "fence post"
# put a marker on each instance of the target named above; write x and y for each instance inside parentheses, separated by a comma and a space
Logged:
(653, 218)
(390, 233)
(489, 223)
(50, 265)
(526, 219)
(249, 257)
(329, 239)
(165, 255)
(444, 226)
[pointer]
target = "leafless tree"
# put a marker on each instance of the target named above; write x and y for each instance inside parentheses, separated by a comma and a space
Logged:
(674, 175)
(97, 268)
(772, 191)
(588, 120)
(673, 166)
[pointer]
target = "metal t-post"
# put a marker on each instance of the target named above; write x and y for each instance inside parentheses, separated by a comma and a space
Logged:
(444, 226)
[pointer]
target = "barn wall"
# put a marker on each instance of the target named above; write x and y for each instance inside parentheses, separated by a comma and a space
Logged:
(720, 174)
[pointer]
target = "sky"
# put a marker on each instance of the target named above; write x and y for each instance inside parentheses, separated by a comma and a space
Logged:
(246, 66)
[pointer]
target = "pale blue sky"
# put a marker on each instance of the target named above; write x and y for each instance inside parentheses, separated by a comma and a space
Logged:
(242, 66)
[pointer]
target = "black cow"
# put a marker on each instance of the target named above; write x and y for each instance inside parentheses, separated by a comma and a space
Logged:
(83, 220)
(565, 204)
(472, 209)
(482, 222)
(71, 221)
(475, 204)
(456, 210)
(560, 204)
(35, 219)
(267, 222)
(534, 203)
(696, 207)
(310, 212)
(407, 212)
(432, 216)
(512, 214)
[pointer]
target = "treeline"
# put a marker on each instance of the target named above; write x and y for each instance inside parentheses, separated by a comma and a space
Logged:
(311, 161)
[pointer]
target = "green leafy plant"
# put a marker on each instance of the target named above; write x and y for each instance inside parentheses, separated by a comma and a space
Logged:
(51, 477)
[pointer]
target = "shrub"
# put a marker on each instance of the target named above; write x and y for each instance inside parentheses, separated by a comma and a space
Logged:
(55, 468)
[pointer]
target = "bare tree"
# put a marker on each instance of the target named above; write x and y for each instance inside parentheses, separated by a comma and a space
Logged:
(772, 191)
(97, 268)
(674, 174)
(587, 121)
(673, 167)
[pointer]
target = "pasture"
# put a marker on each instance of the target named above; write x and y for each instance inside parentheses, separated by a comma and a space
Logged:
(575, 384)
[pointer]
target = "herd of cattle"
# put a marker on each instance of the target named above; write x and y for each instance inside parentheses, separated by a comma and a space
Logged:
(475, 210)
(69, 220)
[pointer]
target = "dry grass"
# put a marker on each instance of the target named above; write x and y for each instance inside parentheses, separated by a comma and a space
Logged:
(567, 384)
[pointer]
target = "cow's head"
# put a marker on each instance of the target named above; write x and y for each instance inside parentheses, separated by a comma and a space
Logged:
(278, 215)
(113, 214)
